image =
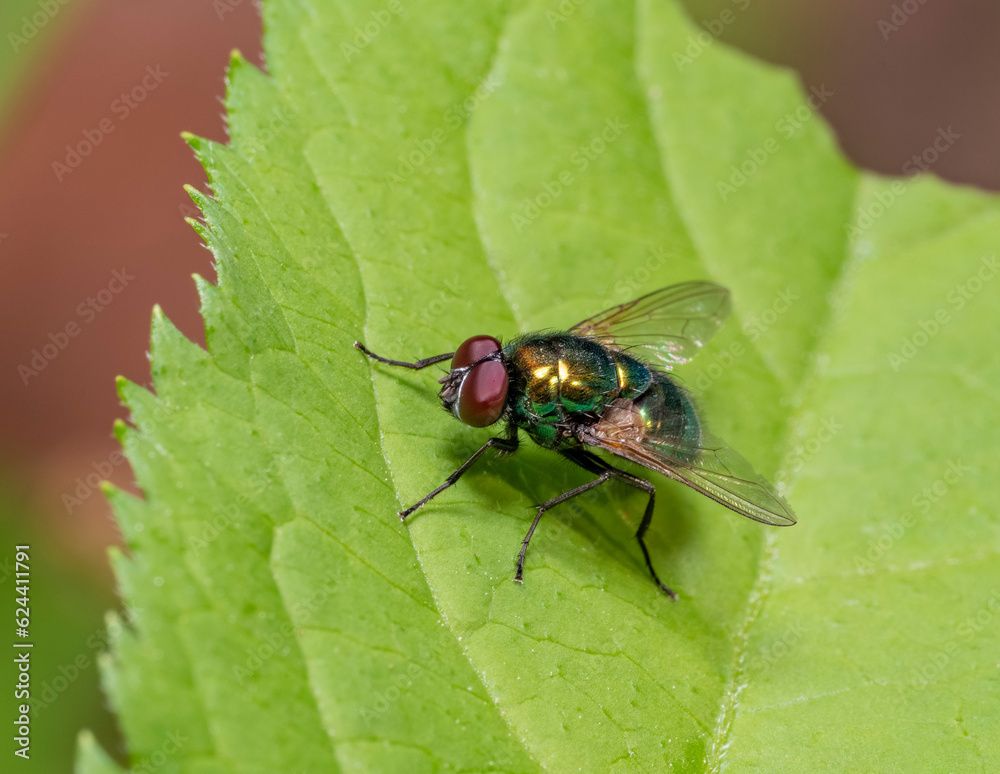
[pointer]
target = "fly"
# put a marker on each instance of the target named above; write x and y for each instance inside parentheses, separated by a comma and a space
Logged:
(605, 384)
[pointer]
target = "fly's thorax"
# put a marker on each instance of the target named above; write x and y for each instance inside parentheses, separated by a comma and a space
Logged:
(559, 379)
(561, 373)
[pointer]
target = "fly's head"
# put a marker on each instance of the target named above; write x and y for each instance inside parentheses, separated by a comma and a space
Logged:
(475, 389)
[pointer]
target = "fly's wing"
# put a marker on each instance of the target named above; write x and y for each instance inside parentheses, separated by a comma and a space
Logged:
(668, 325)
(710, 466)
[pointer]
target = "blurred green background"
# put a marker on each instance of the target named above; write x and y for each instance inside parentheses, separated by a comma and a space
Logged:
(69, 68)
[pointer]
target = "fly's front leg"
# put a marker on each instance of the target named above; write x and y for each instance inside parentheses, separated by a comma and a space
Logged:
(506, 445)
(427, 361)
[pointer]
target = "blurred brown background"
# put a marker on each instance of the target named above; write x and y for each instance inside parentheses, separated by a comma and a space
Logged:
(899, 72)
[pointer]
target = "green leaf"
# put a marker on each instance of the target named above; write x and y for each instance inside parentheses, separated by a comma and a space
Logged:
(410, 175)
(92, 759)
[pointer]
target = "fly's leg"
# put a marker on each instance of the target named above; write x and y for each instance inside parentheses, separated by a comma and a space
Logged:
(505, 445)
(647, 517)
(604, 476)
(427, 361)
(605, 472)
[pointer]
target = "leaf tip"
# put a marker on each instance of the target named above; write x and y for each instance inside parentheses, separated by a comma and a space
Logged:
(195, 142)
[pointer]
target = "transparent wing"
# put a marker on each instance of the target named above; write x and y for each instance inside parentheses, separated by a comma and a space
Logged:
(669, 325)
(710, 467)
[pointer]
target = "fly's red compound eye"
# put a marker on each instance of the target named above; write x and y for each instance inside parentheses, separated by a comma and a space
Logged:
(483, 392)
(473, 350)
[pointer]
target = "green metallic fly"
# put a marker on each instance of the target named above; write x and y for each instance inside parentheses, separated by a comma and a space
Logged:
(604, 384)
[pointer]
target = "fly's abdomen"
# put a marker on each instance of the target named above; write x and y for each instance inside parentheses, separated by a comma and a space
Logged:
(669, 413)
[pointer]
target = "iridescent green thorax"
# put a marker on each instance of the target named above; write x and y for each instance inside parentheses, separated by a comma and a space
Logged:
(558, 379)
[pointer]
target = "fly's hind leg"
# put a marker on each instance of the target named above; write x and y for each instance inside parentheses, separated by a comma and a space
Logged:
(647, 517)
(595, 464)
